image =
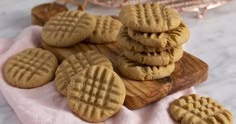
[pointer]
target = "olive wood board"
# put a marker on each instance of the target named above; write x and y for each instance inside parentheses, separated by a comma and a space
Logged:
(189, 71)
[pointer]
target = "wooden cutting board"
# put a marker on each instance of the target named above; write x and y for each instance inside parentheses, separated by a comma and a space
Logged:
(189, 71)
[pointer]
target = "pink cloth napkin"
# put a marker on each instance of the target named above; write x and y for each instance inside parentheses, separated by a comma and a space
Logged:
(44, 105)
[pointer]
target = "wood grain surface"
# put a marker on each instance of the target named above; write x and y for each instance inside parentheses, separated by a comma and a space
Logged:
(189, 71)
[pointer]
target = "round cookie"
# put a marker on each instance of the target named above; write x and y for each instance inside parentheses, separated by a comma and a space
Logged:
(76, 63)
(136, 71)
(96, 94)
(68, 28)
(126, 42)
(42, 13)
(30, 68)
(194, 109)
(149, 17)
(105, 31)
(156, 58)
(172, 38)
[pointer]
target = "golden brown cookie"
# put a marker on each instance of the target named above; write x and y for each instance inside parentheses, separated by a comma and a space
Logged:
(126, 42)
(30, 68)
(76, 63)
(42, 13)
(172, 38)
(194, 109)
(149, 17)
(156, 58)
(105, 31)
(96, 94)
(136, 71)
(68, 28)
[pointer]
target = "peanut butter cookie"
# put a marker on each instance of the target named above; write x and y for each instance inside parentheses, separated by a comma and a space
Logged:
(105, 31)
(76, 63)
(96, 93)
(156, 58)
(136, 71)
(30, 68)
(194, 109)
(172, 38)
(149, 17)
(126, 42)
(68, 28)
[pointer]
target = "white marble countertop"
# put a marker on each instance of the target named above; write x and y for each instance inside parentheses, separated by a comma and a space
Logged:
(213, 39)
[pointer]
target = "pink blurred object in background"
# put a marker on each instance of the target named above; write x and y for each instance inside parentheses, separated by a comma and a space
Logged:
(199, 6)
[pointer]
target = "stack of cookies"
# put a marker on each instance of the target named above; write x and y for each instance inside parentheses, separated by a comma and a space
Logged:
(151, 36)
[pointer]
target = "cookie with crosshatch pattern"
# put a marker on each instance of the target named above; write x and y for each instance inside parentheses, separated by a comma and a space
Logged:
(172, 38)
(68, 28)
(30, 68)
(194, 109)
(136, 71)
(126, 42)
(96, 94)
(105, 31)
(149, 17)
(76, 63)
(164, 57)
